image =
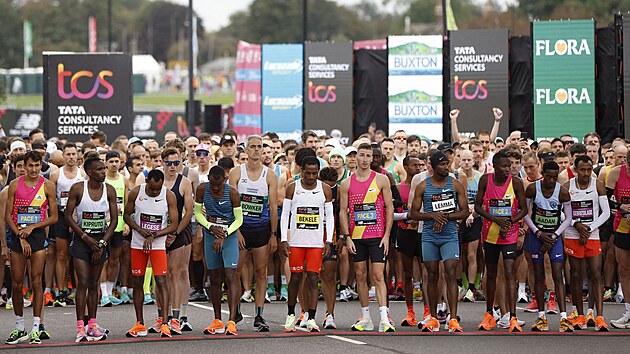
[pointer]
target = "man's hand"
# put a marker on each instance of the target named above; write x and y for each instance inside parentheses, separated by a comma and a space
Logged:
(148, 244)
(126, 230)
(327, 249)
(351, 247)
(283, 248)
(96, 255)
(218, 231)
(469, 220)
(25, 232)
(241, 242)
(385, 244)
(170, 238)
(26, 247)
(583, 230)
(546, 238)
(503, 222)
(454, 114)
(273, 244)
(91, 242)
(498, 114)
(339, 245)
(218, 245)
(146, 233)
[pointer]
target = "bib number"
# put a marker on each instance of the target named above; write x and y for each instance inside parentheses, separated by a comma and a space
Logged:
(93, 222)
(582, 211)
(500, 207)
(28, 215)
(307, 218)
(252, 205)
(365, 214)
(443, 202)
(151, 222)
(547, 220)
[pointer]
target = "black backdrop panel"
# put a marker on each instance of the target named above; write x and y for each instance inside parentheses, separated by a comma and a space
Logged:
(521, 109)
(370, 90)
(626, 72)
(607, 113)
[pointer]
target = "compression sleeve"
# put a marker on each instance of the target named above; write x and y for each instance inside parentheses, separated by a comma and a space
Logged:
(568, 218)
(397, 199)
(612, 203)
(201, 219)
(238, 220)
(528, 220)
(604, 216)
(330, 221)
(400, 216)
(284, 220)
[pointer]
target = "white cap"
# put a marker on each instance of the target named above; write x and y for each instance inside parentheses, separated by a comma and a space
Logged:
(51, 147)
(17, 144)
(333, 142)
(336, 133)
(350, 149)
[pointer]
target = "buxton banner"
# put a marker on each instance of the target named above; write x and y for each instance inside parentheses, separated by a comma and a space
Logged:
(247, 93)
(85, 93)
(479, 78)
(564, 77)
(415, 85)
(328, 86)
(282, 88)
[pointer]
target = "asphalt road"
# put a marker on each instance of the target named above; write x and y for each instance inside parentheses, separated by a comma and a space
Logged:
(60, 322)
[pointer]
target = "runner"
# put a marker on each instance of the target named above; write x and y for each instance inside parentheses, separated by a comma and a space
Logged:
(224, 215)
(149, 207)
(390, 163)
(93, 201)
(309, 201)
(546, 199)
(444, 200)
(367, 196)
(30, 197)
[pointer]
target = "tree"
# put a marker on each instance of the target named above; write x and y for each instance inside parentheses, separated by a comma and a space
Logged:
(11, 40)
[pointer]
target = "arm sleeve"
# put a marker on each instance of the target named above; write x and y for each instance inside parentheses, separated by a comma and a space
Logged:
(610, 193)
(201, 220)
(604, 216)
(528, 220)
(330, 221)
(568, 218)
(284, 220)
(238, 220)
(400, 216)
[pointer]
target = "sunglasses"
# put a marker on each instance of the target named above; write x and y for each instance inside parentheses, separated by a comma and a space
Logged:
(202, 153)
(400, 138)
(172, 163)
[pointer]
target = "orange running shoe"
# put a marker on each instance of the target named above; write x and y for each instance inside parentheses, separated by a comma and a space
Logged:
(216, 327)
(487, 323)
(432, 325)
(533, 306)
(590, 320)
(230, 329)
(552, 305)
(454, 327)
(176, 327)
(600, 324)
(299, 320)
(514, 326)
(138, 330)
(410, 320)
(165, 331)
(48, 299)
(579, 322)
(427, 312)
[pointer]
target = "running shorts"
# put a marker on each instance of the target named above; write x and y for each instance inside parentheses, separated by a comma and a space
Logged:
(369, 248)
(556, 253)
(256, 238)
(622, 241)
(183, 239)
(37, 239)
(440, 250)
(228, 257)
(575, 249)
(140, 259)
(493, 251)
(471, 233)
(408, 243)
(61, 229)
(298, 256)
(80, 250)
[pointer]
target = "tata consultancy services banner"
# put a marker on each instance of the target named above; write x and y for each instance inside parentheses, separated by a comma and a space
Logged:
(564, 78)
(479, 78)
(282, 88)
(328, 81)
(247, 93)
(415, 85)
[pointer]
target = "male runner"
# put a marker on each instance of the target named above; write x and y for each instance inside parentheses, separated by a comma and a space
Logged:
(390, 163)
(93, 201)
(546, 199)
(367, 197)
(149, 208)
(258, 188)
(328, 273)
(29, 199)
(224, 215)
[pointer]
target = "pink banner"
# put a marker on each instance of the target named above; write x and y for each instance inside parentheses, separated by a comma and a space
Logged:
(247, 108)
(371, 44)
(92, 34)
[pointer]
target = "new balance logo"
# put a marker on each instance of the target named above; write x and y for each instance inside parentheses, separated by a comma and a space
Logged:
(28, 121)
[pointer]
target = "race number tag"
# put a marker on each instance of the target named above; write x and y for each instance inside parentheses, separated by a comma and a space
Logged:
(28, 215)
(252, 205)
(307, 218)
(443, 202)
(119, 204)
(93, 222)
(63, 200)
(219, 222)
(365, 214)
(500, 207)
(582, 211)
(547, 220)
(151, 222)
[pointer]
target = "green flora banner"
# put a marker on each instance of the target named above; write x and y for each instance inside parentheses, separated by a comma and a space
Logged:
(564, 78)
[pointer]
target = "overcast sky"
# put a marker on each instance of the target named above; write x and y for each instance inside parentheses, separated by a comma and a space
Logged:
(216, 13)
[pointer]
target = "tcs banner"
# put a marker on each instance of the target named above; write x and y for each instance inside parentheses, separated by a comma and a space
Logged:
(84, 93)
(564, 77)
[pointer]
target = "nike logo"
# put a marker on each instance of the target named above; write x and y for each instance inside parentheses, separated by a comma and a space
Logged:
(223, 202)
(234, 264)
(509, 252)
(589, 192)
(315, 192)
(558, 255)
(158, 200)
(446, 190)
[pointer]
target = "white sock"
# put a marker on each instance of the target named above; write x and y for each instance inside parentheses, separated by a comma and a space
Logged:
(521, 287)
(365, 312)
(506, 317)
(184, 312)
(573, 308)
(270, 279)
(619, 290)
(110, 287)
(563, 315)
(383, 311)
(283, 280)
(541, 313)
(36, 321)
(19, 322)
(627, 310)
(104, 290)
(123, 289)
(47, 291)
(590, 311)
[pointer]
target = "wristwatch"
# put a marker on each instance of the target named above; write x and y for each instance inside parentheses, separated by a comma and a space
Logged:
(554, 236)
(275, 233)
(342, 237)
(102, 243)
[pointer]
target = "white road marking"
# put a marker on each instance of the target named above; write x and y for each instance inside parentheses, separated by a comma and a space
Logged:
(344, 339)
(211, 309)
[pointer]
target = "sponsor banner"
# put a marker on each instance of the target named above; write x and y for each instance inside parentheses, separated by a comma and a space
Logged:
(479, 78)
(247, 110)
(20, 123)
(415, 85)
(626, 69)
(328, 86)
(155, 124)
(85, 93)
(564, 78)
(282, 88)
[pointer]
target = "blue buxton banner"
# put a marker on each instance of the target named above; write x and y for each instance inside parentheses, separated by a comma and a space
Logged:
(282, 87)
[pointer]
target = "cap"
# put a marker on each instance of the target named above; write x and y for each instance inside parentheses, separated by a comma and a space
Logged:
(497, 139)
(333, 142)
(336, 133)
(350, 149)
(17, 145)
(278, 157)
(134, 140)
(547, 156)
(40, 146)
(227, 138)
(111, 155)
(202, 147)
(337, 152)
(216, 139)
(444, 147)
(437, 158)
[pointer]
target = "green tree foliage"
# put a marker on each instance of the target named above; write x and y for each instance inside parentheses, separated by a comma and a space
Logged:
(11, 40)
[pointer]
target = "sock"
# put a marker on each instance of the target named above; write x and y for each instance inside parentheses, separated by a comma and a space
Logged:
(590, 311)
(146, 286)
(19, 322)
(342, 287)
(459, 282)
(383, 311)
(512, 314)
(365, 311)
(311, 313)
(410, 308)
(238, 308)
(184, 311)
(563, 315)
(198, 274)
(110, 287)
(170, 311)
(259, 311)
(283, 280)
(47, 291)
(161, 314)
(521, 287)
(471, 286)
(92, 322)
(541, 313)
(270, 280)
(176, 313)
(104, 290)
(465, 278)
(291, 310)
(478, 280)
(552, 293)
(573, 308)
(123, 289)
(36, 321)
(627, 309)
(80, 324)
(489, 309)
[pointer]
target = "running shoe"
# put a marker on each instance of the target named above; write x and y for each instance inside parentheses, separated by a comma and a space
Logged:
(230, 329)
(488, 322)
(427, 313)
(81, 336)
(312, 326)
(260, 323)
(622, 323)
(533, 306)
(114, 300)
(400, 294)
(432, 325)
(600, 324)
(454, 327)
(124, 297)
(417, 294)
(504, 322)
(410, 320)
(496, 313)
(216, 327)
(9, 304)
(102, 329)
(479, 296)
(198, 296)
(43, 333)
(573, 316)
(302, 319)
(175, 326)
(271, 292)
(363, 325)
(541, 325)
(27, 302)
(60, 301)
(70, 298)
(94, 335)
(16, 337)
(247, 296)
(522, 297)
(578, 322)
(619, 298)
(353, 294)
(386, 326)
(329, 322)
(514, 326)
(461, 292)
(186, 326)
(284, 292)
(590, 319)
(565, 326)
(239, 317)
(469, 297)
(372, 293)
(48, 299)
(148, 299)
(289, 324)
(106, 302)
(34, 338)
(442, 315)
(157, 326)
(138, 330)
(552, 306)
(608, 296)
(165, 331)
(2, 302)
(345, 296)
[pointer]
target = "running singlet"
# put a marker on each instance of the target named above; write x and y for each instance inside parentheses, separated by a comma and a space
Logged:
(307, 217)
(584, 207)
(178, 197)
(499, 201)
(391, 169)
(30, 205)
(119, 186)
(404, 196)
(546, 211)
(366, 207)
(343, 177)
(472, 186)
(218, 212)
(92, 214)
(254, 197)
(443, 199)
(151, 214)
(622, 196)
(570, 173)
(63, 187)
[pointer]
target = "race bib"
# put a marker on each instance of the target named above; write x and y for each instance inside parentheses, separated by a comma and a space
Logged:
(63, 200)
(28, 215)
(547, 220)
(500, 207)
(624, 200)
(252, 205)
(443, 202)
(219, 221)
(472, 194)
(365, 214)
(151, 222)
(93, 222)
(582, 211)
(119, 204)
(307, 218)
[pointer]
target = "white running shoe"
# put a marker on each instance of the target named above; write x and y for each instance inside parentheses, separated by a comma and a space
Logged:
(622, 323)
(329, 322)
(247, 296)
